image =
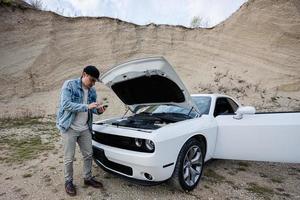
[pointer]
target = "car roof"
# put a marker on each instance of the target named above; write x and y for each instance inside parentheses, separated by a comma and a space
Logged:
(215, 95)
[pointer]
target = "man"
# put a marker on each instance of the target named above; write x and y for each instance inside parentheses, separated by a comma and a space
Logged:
(74, 120)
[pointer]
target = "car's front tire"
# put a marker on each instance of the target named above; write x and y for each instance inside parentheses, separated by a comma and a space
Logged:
(189, 165)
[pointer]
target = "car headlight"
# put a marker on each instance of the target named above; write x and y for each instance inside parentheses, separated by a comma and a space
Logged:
(138, 142)
(149, 145)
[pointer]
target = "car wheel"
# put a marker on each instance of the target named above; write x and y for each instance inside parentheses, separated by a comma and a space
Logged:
(189, 165)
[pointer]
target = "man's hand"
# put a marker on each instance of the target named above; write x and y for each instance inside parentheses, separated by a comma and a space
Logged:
(101, 108)
(93, 105)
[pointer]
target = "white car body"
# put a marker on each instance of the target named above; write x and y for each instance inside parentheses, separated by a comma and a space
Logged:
(242, 135)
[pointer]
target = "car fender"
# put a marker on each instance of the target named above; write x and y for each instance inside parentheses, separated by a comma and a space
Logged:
(170, 139)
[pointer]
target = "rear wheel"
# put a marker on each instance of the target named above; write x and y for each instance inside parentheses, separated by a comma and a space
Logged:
(189, 165)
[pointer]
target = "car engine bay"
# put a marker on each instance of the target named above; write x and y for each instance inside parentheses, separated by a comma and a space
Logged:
(148, 121)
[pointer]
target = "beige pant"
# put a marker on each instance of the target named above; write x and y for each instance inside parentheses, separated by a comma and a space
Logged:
(84, 140)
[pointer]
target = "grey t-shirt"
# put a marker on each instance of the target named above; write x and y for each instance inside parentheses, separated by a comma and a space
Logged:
(80, 121)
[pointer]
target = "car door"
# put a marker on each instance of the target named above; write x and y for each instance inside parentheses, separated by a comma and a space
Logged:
(262, 137)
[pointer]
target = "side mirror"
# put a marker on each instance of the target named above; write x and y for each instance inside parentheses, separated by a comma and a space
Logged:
(244, 110)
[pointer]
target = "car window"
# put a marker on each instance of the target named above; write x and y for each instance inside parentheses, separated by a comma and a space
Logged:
(203, 104)
(233, 104)
(223, 107)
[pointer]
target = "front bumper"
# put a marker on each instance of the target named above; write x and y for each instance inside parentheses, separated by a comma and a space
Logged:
(132, 164)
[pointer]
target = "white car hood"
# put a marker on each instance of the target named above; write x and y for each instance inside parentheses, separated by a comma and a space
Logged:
(148, 81)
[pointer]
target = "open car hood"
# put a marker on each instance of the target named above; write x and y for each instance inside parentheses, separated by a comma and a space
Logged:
(148, 81)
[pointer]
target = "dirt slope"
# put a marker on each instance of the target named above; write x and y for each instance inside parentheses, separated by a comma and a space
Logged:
(254, 55)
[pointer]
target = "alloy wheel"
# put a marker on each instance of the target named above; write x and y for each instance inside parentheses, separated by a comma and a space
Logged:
(192, 165)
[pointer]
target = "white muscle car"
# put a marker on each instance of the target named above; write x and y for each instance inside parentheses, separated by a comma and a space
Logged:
(171, 133)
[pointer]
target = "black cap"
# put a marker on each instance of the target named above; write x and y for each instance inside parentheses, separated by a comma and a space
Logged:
(92, 71)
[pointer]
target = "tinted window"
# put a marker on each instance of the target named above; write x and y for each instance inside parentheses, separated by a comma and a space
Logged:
(233, 104)
(223, 107)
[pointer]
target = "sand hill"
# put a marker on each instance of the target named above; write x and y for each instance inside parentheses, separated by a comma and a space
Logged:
(253, 56)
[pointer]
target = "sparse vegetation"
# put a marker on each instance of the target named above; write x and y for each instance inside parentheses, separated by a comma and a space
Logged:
(37, 4)
(274, 99)
(261, 191)
(243, 164)
(20, 150)
(18, 189)
(47, 178)
(295, 169)
(198, 22)
(263, 175)
(27, 175)
(19, 122)
(6, 2)
(242, 169)
(277, 180)
(206, 186)
(107, 177)
(105, 101)
(227, 83)
(231, 183)
(14, 4)
(213, 177)
(17, 148)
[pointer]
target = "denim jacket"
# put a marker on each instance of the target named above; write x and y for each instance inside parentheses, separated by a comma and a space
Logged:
(70, 103)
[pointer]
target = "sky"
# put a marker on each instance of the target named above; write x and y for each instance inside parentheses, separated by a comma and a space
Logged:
(172, 12)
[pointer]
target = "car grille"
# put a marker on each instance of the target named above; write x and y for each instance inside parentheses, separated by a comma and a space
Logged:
(122, 142)
(100, 156)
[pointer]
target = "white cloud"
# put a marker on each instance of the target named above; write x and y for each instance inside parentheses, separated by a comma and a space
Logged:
(174, 12)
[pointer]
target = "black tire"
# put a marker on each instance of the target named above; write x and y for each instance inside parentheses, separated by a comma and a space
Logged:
(178, 179)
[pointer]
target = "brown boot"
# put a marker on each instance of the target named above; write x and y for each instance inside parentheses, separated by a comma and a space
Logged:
(70, 188)
(92, 182)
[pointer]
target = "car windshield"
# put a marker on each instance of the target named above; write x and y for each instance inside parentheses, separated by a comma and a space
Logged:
(202, 102)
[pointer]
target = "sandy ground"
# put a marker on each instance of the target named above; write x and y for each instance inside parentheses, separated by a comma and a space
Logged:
(253, 56)
(41, 177)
